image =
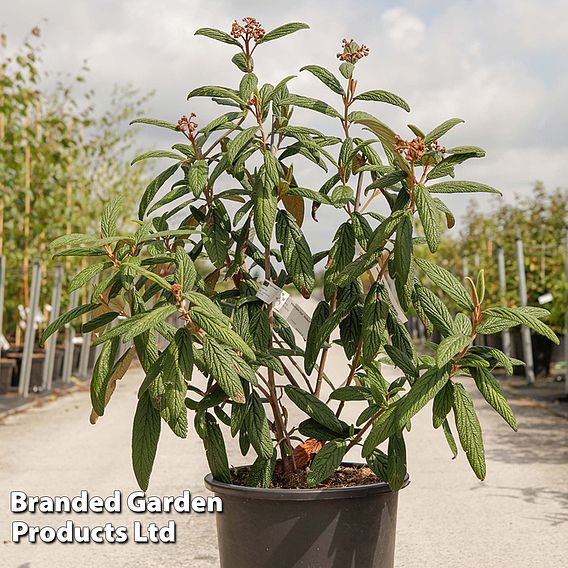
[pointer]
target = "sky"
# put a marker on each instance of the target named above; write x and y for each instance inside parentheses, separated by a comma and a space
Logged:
(500, 65)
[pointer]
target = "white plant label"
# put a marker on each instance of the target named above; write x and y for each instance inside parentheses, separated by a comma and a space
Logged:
(545, 298)
(269, 292)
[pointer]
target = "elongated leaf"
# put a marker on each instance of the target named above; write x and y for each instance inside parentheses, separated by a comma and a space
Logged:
(435, 310)
(282, 31)
(87, 274)
(313, 345)
(216, 234)
(450, 438)
(218, 35)
(154, 122)
(266, 200)
(314, 408)
(441, 129)
(523, 317)
(450, 347)
(375, 313)
(153, 188)
(462, 187)
(221, 367)
(447, 282)
(326, 77)
(258, 429)
(197, 177)
(66, 318)
(403, 249)
(145, 436)
(186, 272)
(296, 253)
(443, 402)
(312, 104)
(219, 92)
(327, 460)
(383, 97)
(215, 450)
(157, 154)
(492, 392)
(101, 375)
(469, 430)
(239, 142)
(396, 461)
(429, 216)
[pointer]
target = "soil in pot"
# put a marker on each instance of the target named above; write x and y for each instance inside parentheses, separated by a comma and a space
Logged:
(336, 527)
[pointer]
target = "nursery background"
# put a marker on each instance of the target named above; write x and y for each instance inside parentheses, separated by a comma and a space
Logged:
(73, 74)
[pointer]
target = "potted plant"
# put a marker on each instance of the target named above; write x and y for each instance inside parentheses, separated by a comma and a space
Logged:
(235, 332)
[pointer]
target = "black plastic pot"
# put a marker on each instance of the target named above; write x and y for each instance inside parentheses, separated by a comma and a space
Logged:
(350, 527)
(7, 367)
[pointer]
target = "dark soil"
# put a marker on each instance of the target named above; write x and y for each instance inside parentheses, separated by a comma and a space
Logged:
(345, 476)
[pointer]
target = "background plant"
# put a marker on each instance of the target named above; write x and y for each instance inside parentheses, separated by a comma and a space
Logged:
(61, 161)
(242, 347)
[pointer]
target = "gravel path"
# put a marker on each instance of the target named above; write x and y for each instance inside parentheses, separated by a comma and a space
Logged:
(518, 517)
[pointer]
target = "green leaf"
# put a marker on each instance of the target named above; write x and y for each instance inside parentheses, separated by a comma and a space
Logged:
(266, 203)
(98, 322)
(239, 142)
(66, 318)
(261, 472)
(186, 272)
(350, 393)
(327, 460)
(218, 35)
(153, 188)
(312, 104)
(450, 438)
(469, 430)
(138, 324)
(214, 91)
(388, 180)
(396, 461)
(326, 77)
(219, 332)
(314, 408)
(215, 450)
(197, 177)
(450, 347)
(383, 97)
(216, 237)
(492, 392)
(296, 253)
(441, 129)
(375, 313)
(447, 282)
(157, 154)
(221, 367)
(110, 216)
(240, 60)
(523, 317)
(403, 249)
(154, 122)
(313, 429)
(435, 310)
(310, 194)
(282, 31)
(313, 343)
(174, 411)
(462, 187)
(258, 428)
(81, 278)
(101, 375)
(145, 436)
(429, 216)
(443, 403)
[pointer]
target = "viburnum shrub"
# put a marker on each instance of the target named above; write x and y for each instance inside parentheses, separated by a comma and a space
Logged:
(195, 262)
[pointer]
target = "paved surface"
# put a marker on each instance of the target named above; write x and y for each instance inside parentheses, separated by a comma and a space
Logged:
(517, 518)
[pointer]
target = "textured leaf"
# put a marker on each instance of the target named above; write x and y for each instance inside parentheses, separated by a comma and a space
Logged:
(447, 282)
(186, 272)
(101, 375)
(154, 122)
(153, 188)
(197, 177)
(218, 35)
(221, 367)
(258, 429)
(326, 77)
(66, 318)
(523, 317)
(266, 199)
(396, 461)
(312, 104)
(296, 253)
(219, 92)
(450, 438)
(216, 236)
(145, 436)
(435, 310)
(469, 430)
(241, 140)
(403, 249)
(492, 392)
(383, 97)
(215, 450)
(282, 31)
(461, 187)
(314, 408)
(375, 313)
(313, 344)
(443, 403)
(429, 216)
(261, 472)
(110, 216)
(327, 460)
(441, 129)
(450, 347)
(87, 274)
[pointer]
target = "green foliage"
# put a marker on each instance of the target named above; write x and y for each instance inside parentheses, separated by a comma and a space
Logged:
(198, 265)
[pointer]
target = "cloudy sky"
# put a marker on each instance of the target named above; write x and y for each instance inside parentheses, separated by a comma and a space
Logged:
(500, 65)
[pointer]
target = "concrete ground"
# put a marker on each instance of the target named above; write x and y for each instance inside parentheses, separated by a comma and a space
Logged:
(517, 518)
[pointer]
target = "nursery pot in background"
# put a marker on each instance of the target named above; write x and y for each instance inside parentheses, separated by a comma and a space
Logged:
(348, 527)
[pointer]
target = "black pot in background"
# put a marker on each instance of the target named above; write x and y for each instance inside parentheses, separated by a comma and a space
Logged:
(7, 367)
(36, 374)
(350, 527)
(542, 353)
